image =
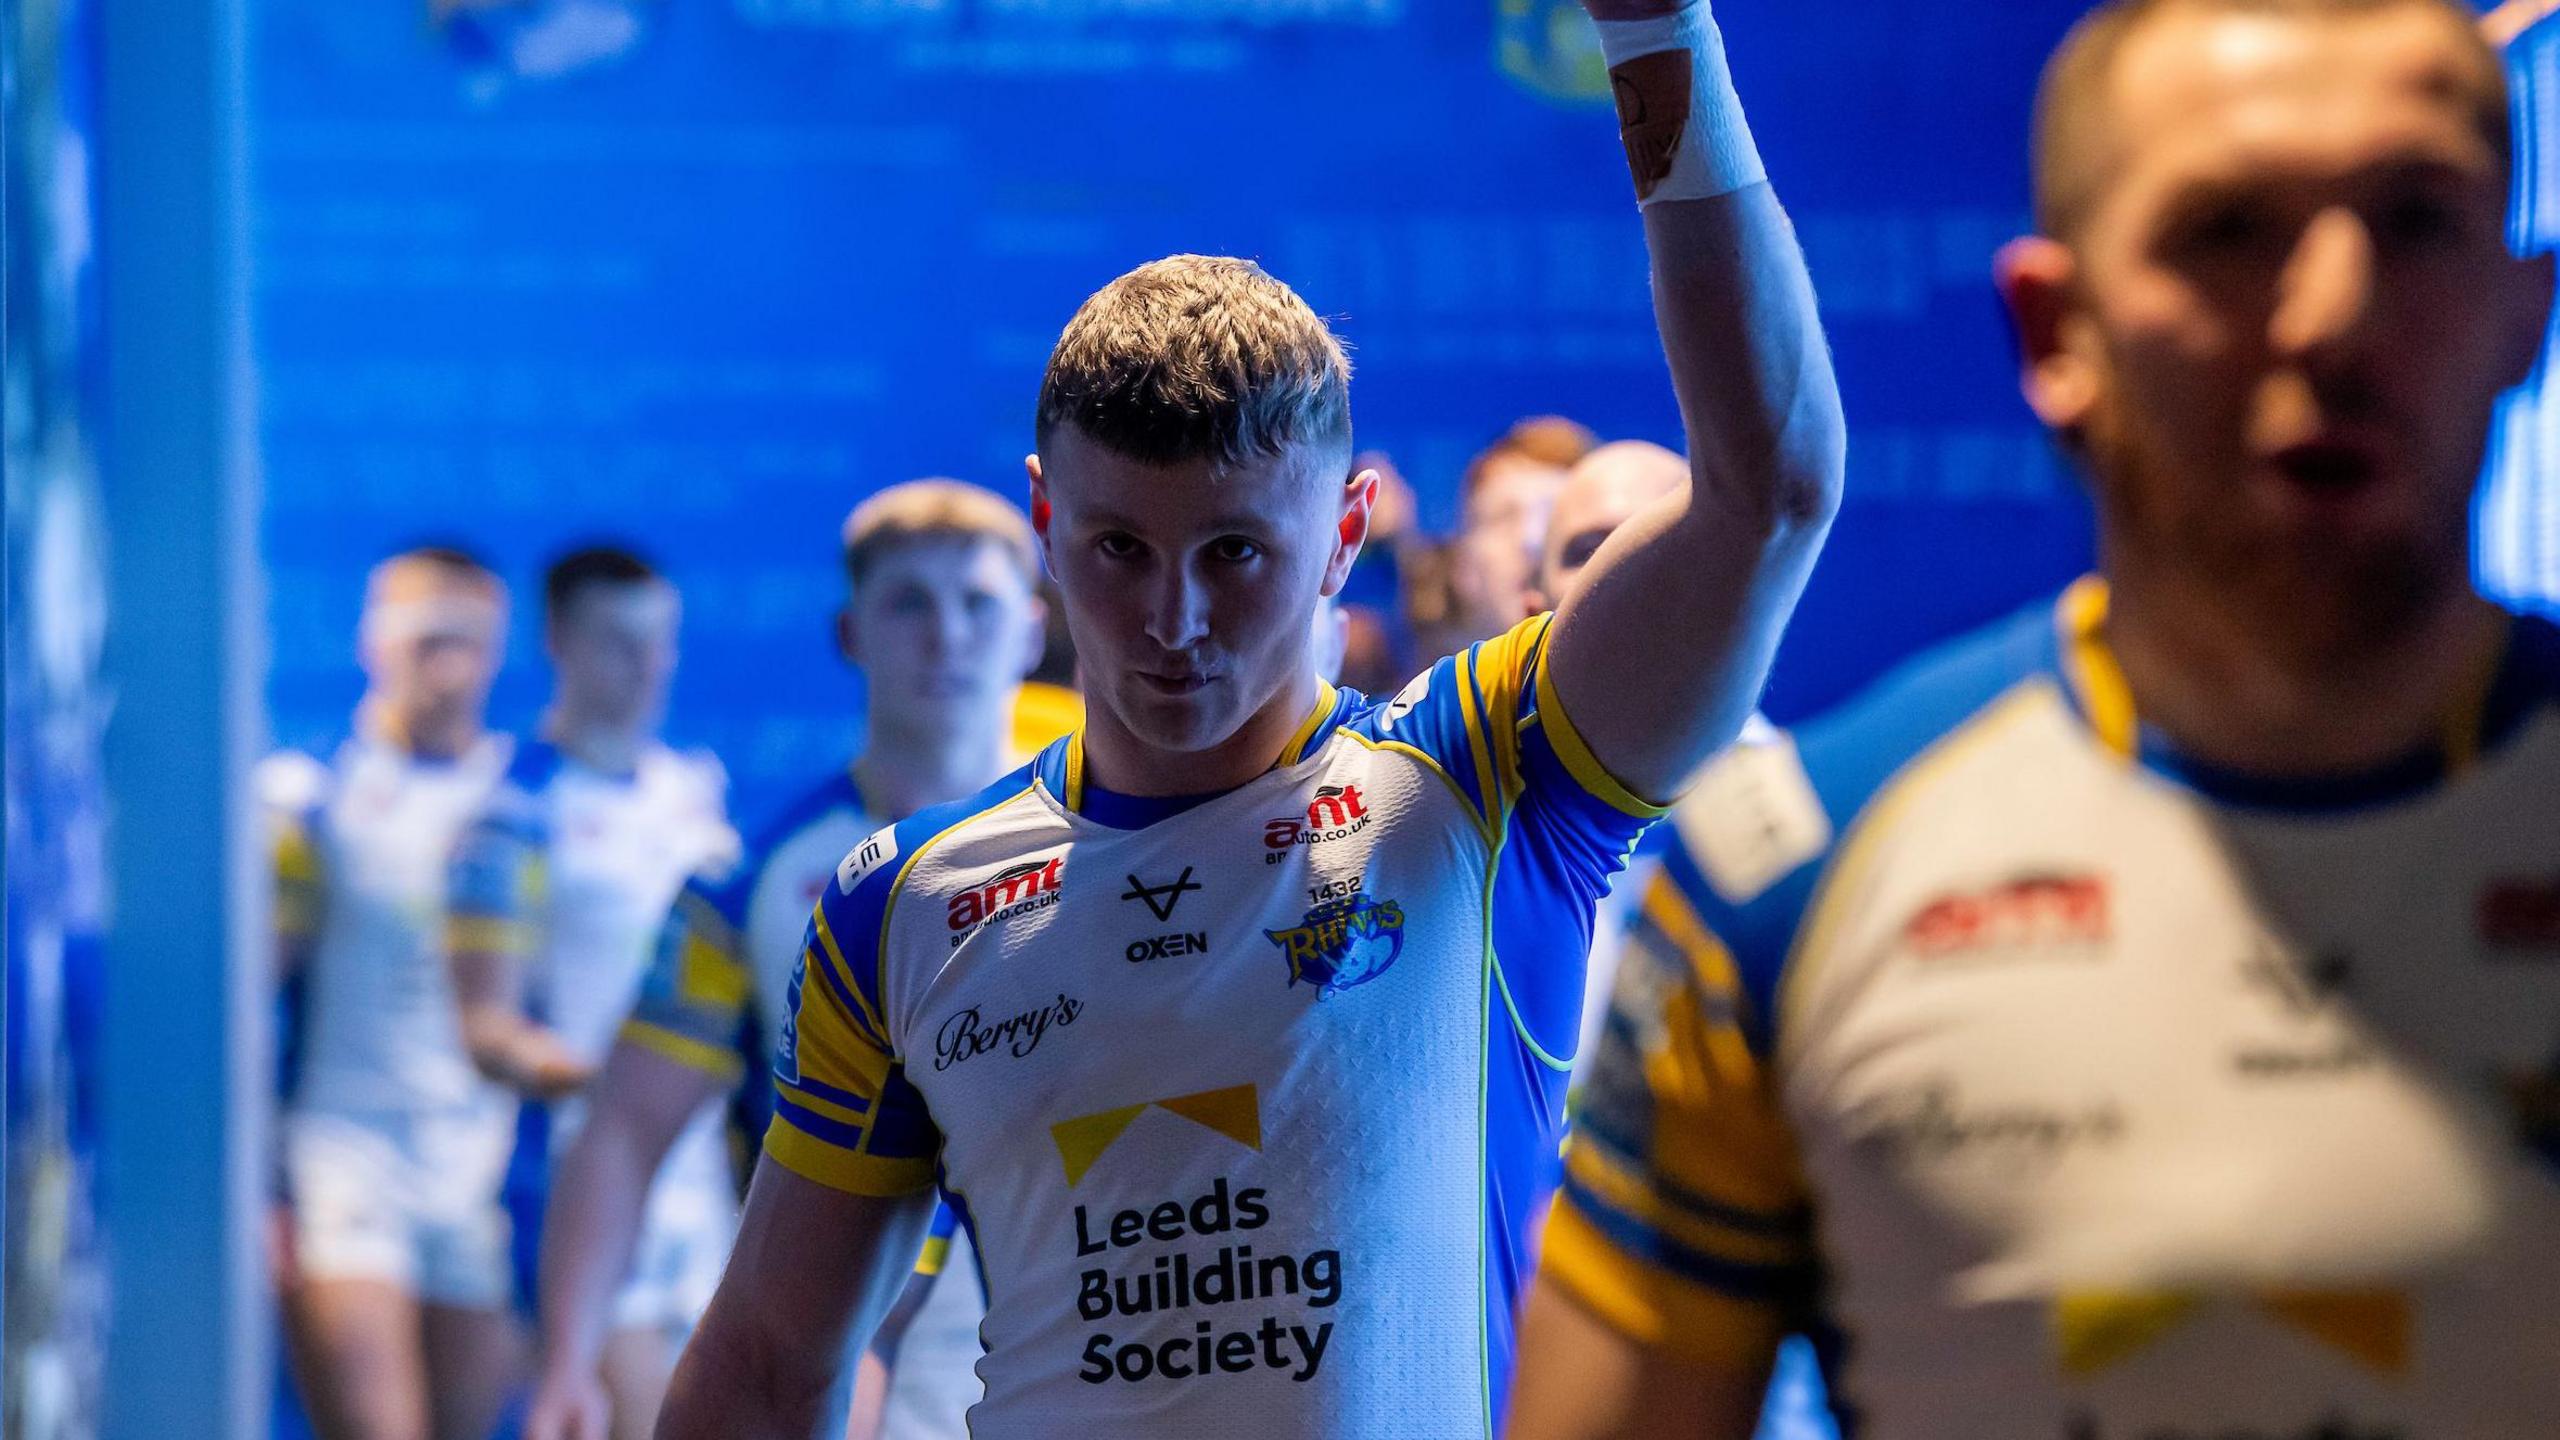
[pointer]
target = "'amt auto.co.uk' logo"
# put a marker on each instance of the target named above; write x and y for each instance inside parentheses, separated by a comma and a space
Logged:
(1031, 885)
(1337, 812)
(2055, 916)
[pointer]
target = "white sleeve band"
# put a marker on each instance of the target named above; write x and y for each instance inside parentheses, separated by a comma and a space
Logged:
(1685, 133)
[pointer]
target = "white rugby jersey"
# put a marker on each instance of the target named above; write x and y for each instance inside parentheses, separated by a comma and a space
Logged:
(2073, 1091)
(570, 870)
(361, 843)
(1249, 1101)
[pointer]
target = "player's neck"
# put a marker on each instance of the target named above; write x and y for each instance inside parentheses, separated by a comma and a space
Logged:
(1119, 761)
(905, 768)
(608, 747)
(2234, 687)
(379, 720)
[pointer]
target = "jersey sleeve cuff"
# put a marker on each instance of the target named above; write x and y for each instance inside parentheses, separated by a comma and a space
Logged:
(870, 1176)
(1579, 762)
(1658, 1310)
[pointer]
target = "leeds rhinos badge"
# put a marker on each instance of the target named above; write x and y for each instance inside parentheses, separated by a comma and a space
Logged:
(1342, 943)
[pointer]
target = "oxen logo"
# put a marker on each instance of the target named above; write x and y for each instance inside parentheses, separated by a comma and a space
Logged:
(1031, 885)
(1336, 813)
(1343, 943)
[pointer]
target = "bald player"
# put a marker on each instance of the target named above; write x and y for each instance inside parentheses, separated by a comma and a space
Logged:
(395, 1276)
(2141, 1021)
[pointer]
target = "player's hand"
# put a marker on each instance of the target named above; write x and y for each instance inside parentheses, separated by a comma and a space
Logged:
(1635, 9)
(569, 1407)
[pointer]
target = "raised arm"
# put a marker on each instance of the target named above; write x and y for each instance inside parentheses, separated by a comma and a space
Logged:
(815, 1268)
(1662, 654)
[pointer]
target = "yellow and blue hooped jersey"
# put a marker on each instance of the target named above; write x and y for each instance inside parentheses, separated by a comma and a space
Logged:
(1250, 1102)
(2069, 1089)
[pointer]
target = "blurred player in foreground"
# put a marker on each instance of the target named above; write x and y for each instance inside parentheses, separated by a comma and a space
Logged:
(2141, 1021)
(1230, 1025)
(394, 1265)
(558, 893)
(942, 617)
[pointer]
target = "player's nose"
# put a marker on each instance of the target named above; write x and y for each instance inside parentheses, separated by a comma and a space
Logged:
(2326, 295)
(1177, 606)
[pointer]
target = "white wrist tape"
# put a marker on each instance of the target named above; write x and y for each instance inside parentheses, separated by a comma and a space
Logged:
(1677, 111)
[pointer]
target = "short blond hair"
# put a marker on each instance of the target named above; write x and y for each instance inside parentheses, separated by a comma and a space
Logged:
(936, 509)
(1198, 357)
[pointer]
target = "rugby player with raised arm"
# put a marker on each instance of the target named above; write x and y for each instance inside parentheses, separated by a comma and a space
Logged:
(1235, 1027)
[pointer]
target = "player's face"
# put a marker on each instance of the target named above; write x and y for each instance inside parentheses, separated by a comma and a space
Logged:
(2290, 311)
(614, 651)
(943, 629)
(431, 644)
(1190, 590)
(1602, 494)
(1505, 529)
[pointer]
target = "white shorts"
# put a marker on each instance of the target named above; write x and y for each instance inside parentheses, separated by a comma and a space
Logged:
(411, 1200)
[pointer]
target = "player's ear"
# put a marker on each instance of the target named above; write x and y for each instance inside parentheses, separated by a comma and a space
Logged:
(2038, 281)
(1351, 529)
(1040, 511)
(848, 640)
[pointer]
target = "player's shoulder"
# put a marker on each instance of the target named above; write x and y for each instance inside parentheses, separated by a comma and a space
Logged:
(869, 876)
(514, 805)
(1766, 815)
(293, 781)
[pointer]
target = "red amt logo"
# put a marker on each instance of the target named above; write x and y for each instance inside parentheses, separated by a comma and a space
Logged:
(2031, 910)
(1335, 810)
(1026, 881)
(2521, 914)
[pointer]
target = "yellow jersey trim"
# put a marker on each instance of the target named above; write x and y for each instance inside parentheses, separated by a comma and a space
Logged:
(1579, 762)
(869, 1176)
(718, 1062)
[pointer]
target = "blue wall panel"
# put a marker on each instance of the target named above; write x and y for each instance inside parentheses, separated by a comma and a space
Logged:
(769, 255)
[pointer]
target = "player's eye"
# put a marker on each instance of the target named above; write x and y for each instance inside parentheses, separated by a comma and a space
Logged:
(1233, 549)
(2226, 228)
(1117, 545)
(2417, 220)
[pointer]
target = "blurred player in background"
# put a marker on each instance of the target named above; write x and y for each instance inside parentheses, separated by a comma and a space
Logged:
(943, 619)
(394, 1247)
(1485, 579)
(2155, 999)
(558, 892)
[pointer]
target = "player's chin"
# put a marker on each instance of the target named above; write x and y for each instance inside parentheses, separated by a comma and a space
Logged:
(1181, 724)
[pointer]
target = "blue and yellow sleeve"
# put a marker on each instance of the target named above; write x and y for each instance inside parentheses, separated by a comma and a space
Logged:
(495, 884)
(1684, 1222)
(694, 999)
(937, 1241)
(845, 1114)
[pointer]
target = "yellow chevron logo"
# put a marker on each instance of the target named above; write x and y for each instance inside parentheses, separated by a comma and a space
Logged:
(2096, 1331)
(1235, 1112)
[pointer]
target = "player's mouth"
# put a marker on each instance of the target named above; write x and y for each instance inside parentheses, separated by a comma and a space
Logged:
(1175, 684)
(2328, 468)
